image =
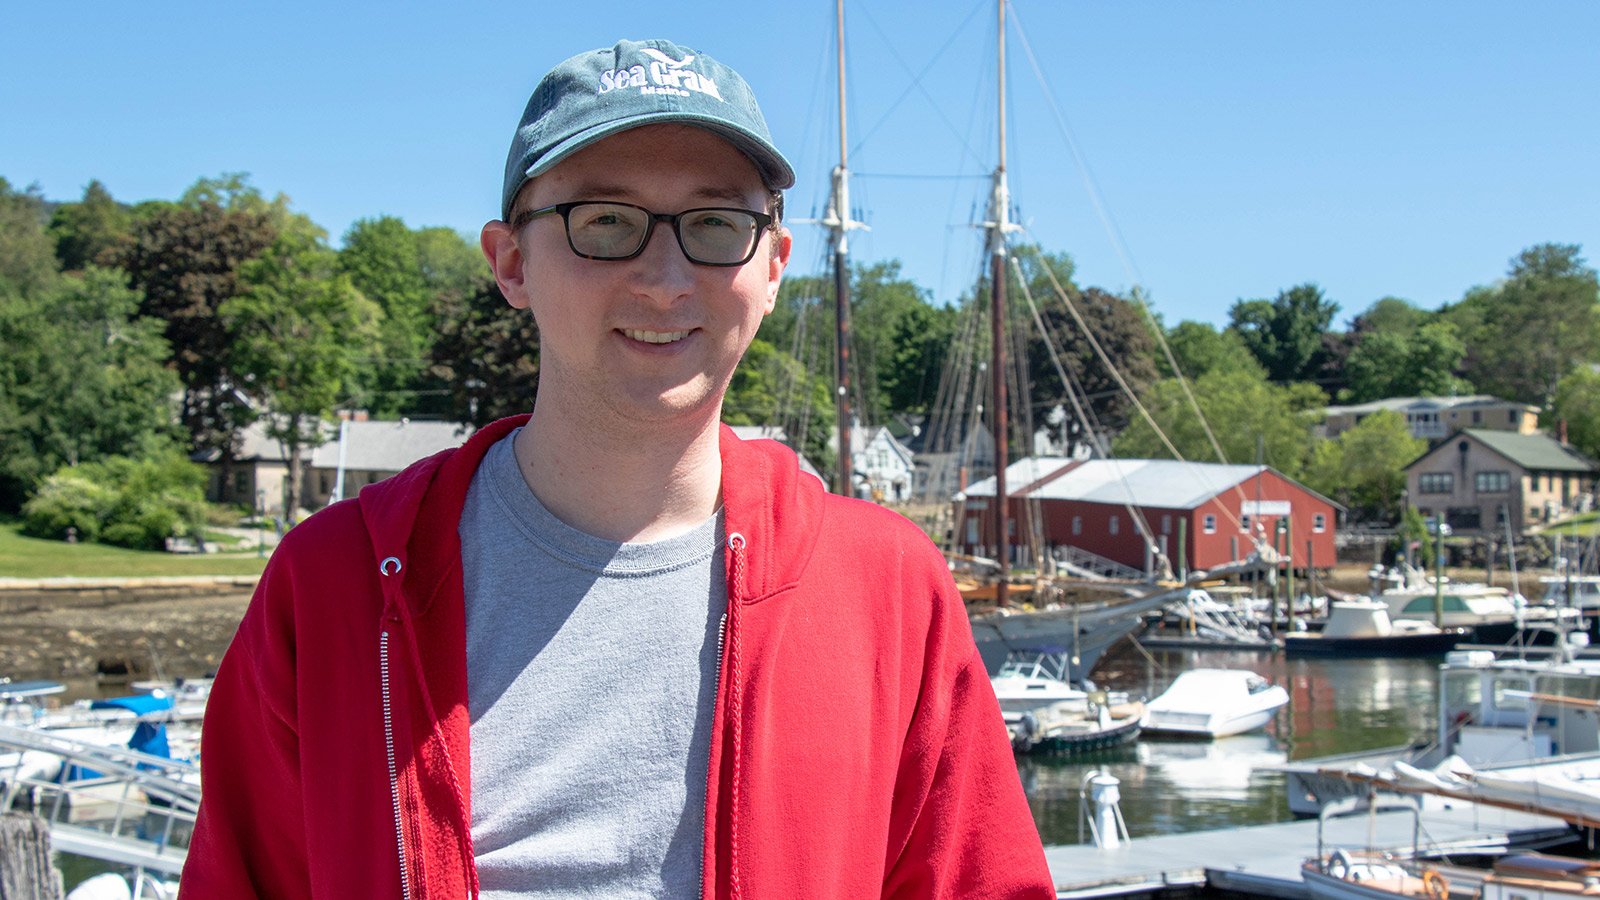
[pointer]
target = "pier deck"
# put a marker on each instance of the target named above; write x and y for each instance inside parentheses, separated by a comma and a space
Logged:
(1264, 860)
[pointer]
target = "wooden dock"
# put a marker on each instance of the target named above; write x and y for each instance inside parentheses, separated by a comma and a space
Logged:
(1264, 860)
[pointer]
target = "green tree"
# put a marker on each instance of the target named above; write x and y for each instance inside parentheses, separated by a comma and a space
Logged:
(185, 260)
(1200, 348)
(299, 329)
(1363, 467)
(27, 257)
(1239, 406)
(921, 343)
(1285, 333)
(770, 387)
(1542, 323)
(1577, 402)
(1390, 314)
(1421, 363)
(233, 192)
(94, 231)
(82, 377)
(487, 354)
(384, 262)
(1121, 332)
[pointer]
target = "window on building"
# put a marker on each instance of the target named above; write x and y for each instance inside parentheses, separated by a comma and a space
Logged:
(1493, 482)
(972, 531)
(1477, 416)
(1077, 524)
(1244, 524)
(1436, 482)
(1112, 528)
(1166, 523)
(1319, 523)
(1511, 416)
(1210, 524)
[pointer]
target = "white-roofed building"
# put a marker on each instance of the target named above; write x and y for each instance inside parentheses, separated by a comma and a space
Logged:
(373, 451)
(1210, 510)
(775, 433)
(1433, 418)
(882, 465)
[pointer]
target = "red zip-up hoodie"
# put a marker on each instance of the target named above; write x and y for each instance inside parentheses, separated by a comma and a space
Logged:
(857, 749)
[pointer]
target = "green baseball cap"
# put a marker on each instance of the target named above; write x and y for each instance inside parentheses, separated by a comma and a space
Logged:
(600, 93)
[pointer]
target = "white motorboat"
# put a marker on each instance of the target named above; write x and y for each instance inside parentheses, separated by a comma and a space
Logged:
(1493, 711)
(1045, 713)
(1030, 680)
(1212, 703)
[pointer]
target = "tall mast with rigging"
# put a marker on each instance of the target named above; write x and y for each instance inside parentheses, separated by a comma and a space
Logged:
(837, 219)
(998, 225)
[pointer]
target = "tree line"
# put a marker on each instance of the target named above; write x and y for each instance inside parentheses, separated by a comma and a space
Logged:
(156, 330)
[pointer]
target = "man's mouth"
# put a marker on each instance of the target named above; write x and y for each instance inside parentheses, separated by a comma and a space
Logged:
(655, 337)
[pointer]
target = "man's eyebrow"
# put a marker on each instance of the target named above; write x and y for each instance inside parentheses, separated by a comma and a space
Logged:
(599, 190)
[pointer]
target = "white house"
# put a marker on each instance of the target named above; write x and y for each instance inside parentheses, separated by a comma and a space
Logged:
(882, 465)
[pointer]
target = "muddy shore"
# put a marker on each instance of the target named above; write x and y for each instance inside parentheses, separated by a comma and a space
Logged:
(139, 639)
(186, 637)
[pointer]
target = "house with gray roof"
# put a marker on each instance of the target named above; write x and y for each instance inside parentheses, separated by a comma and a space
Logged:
(1433, 418)
(368, 451)
(1478, 475)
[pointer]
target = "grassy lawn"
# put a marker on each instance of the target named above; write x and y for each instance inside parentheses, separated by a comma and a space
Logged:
(26, 557)
(1585, 525)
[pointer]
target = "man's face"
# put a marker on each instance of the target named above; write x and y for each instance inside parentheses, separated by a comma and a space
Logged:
(655, 337)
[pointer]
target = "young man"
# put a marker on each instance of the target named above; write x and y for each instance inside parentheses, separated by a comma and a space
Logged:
(608, 649)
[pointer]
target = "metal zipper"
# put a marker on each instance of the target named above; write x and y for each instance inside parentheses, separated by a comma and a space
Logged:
(388, 750)
(716, 691)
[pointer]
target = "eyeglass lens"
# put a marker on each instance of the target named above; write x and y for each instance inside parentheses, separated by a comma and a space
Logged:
(618, 231)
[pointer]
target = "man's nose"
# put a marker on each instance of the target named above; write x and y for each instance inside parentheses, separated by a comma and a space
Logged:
(661, 269)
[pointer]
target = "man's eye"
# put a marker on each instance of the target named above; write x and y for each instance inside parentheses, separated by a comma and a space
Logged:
(714, 221)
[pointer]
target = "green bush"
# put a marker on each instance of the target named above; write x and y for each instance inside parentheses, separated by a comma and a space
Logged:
(67, 500)
(136, 503)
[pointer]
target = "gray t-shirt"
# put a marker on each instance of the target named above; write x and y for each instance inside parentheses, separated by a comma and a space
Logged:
(591, 679)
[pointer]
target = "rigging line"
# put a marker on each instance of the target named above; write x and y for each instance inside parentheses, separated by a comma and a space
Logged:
(916, 80)
(1115, 234)
(975, 177)
(1134, 513)
(1089, 183)
(1116, 375)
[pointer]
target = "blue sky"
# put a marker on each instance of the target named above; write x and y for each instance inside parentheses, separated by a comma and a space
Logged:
(1405, 149)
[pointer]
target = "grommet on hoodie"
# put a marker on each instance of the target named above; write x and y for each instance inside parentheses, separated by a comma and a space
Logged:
(384, 566)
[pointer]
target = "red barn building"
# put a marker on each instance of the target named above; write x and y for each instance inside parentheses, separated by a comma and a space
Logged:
(1210, 509)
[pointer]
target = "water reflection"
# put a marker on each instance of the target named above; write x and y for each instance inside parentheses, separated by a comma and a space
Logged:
(1335, 706)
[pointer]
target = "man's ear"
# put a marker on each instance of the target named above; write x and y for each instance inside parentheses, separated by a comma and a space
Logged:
(500, 248)
(779, 260)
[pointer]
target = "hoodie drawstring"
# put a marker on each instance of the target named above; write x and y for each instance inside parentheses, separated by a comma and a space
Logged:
(436, 731)
(736, 544)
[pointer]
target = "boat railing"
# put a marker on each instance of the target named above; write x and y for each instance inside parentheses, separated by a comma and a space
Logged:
(1084, 564)
(105, 802)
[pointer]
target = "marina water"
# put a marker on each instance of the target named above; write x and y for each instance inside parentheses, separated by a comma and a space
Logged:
(1174, 786)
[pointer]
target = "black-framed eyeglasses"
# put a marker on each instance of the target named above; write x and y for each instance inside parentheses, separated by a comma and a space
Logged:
(708, 236)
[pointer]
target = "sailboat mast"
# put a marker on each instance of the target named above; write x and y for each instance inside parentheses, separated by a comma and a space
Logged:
(997, 365)
(839, 217)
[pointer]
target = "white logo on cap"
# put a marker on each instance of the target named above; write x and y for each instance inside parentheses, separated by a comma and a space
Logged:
(664, 76)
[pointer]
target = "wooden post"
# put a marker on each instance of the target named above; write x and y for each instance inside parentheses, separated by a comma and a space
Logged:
(26, 872)
(1488, 552)
(1183, 549)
